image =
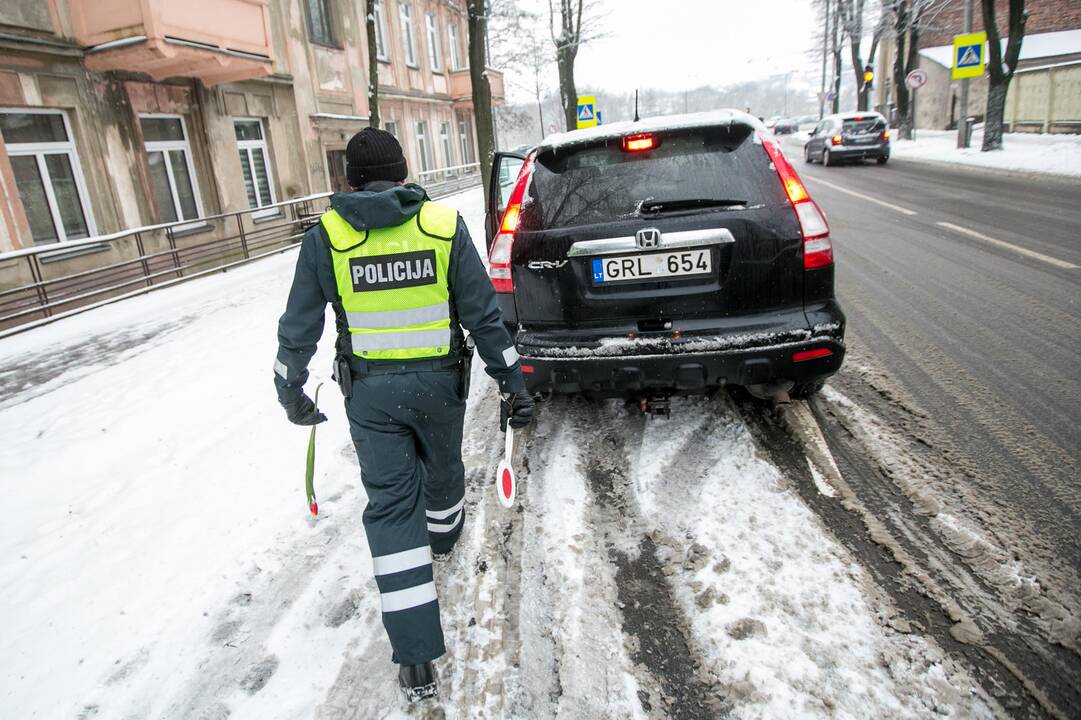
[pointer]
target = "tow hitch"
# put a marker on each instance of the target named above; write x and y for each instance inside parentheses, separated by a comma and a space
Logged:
(655, 405)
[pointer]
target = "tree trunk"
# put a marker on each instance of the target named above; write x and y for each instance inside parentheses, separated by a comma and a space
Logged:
(567, 91)
(857, 68)
(1000, 71)
(373, 67)
(992, 121)
(836, 107)
(482, 91)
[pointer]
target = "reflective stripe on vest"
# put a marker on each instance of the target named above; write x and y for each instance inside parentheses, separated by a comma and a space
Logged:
(393, 283)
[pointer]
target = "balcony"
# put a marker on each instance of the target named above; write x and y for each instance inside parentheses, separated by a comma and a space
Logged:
(215, 41)
(461, 87)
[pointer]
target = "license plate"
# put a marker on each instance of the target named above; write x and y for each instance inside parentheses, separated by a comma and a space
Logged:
(654, 266)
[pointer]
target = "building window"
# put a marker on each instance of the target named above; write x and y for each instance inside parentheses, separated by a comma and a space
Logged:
(465, 139)
(455, 47)
(448, 146)
(405, 11)
(172, 174)
(255, 164)
(391, 127)
(339, 177)
(380, 32)
(433, 42)
(320, 28)
(424, 147)
(47, 174)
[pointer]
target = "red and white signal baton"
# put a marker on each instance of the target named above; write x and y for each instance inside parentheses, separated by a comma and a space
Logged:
(505, 484)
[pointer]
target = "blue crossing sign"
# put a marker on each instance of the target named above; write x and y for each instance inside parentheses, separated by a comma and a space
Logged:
(968, 58)
(587, 111)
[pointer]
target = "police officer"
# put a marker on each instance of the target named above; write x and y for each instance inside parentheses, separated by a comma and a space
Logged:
(404, 278)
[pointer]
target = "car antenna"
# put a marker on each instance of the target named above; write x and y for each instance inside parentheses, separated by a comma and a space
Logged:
(636, 105)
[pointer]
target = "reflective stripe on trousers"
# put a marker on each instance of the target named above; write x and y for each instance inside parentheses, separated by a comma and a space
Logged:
(444, 526)
(403, 340)
(383, 319)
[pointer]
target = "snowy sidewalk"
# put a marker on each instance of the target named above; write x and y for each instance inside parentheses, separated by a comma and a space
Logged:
(1021, 152)
(159, 562)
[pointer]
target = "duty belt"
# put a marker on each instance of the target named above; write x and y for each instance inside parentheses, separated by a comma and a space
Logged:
(365, 367)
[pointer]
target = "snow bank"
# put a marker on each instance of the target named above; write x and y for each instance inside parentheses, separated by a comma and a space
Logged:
(1022, 152)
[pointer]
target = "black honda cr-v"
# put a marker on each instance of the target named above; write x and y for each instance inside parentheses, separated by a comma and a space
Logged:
(669, 255)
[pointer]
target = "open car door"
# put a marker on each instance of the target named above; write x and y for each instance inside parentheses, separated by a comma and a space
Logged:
(505, 167)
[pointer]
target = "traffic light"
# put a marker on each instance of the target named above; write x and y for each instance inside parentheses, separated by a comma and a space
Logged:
(868, 75)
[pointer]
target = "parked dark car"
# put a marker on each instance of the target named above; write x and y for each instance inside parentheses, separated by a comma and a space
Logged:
(848, 137)
(786, 126)
(641, 259)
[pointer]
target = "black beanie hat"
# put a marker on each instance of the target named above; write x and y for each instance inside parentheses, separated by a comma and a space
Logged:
(374, 154)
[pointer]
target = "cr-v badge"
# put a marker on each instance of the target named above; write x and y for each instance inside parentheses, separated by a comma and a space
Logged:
(546, 264)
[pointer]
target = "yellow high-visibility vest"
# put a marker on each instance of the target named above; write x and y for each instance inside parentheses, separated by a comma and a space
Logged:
(393, 283)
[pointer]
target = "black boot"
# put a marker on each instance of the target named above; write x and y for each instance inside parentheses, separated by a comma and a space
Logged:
(417, 681)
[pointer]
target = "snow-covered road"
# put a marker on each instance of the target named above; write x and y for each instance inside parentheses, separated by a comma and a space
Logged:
(158, 561)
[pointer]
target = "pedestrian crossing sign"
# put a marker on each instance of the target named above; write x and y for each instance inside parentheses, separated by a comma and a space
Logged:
(968, 55)
(587, 111)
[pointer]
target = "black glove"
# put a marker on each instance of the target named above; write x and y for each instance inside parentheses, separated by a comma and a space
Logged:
(515, 409)
(302, 411)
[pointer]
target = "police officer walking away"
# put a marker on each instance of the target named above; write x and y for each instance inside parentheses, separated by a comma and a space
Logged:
(404, 278)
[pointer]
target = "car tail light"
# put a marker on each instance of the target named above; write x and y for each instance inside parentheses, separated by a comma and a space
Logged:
(640, 142)
(817, 248)
(885, 134)
(499, 258)
(836, 139)
(815, 354)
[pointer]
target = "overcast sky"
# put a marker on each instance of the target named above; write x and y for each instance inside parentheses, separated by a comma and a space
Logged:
(687, 43)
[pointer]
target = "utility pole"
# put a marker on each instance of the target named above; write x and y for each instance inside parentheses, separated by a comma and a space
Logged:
(825, 51)
(836, 60)
(962, 123)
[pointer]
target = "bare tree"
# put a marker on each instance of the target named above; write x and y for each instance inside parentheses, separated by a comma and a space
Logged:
(570, 36)
(482, 90)
(373, 66)
(851, 13)
(1000, 71)
(516, 43)
(907, 16)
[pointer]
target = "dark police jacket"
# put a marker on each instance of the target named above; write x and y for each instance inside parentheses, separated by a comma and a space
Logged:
(472, 299)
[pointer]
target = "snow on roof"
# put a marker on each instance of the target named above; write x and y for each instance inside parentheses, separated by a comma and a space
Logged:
(653, 124)
(1040, 45)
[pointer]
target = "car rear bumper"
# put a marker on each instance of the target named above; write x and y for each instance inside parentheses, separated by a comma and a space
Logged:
(692, 363)
(847, 152)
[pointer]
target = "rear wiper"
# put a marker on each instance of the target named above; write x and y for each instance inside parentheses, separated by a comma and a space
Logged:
(651, 206)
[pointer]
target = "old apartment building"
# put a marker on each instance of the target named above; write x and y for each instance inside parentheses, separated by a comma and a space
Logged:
(124, 113)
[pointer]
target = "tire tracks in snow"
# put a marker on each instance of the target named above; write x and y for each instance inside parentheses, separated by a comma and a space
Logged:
(662, 641)
(935, 592)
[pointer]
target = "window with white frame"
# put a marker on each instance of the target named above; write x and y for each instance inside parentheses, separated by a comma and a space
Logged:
(455, 46)
(380, 31)
(391, 126)
(433, 42)
(409, 40)
(47, 174)
(424, 146)
(172, 175)
(465, 138)
(255, 164)
(448, 146)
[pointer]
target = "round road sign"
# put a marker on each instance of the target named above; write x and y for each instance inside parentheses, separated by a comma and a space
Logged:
(916, 79)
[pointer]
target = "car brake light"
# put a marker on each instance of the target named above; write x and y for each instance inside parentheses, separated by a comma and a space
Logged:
(499, 258)
(836, 139)
(638, 143)
(817, 248)
(885, 134)
(811, 354)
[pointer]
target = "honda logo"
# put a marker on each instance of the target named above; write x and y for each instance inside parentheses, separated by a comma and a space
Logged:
(648, 237)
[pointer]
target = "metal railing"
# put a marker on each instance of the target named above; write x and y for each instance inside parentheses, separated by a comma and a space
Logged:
(48, 282)
(449, 180)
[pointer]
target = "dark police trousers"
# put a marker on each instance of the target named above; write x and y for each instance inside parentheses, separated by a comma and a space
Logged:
(407, 428)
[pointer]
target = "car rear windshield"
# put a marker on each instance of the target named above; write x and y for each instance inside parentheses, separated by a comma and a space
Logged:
(687, 171)
(855, 127)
